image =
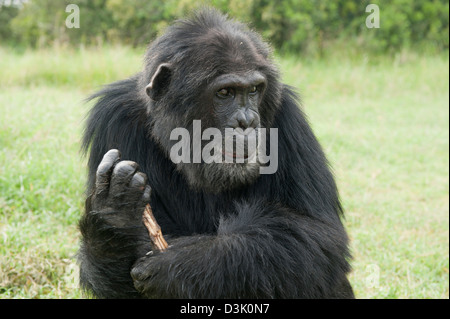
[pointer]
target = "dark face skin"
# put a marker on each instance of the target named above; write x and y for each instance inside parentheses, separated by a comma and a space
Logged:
(230, 101)
(236, 99)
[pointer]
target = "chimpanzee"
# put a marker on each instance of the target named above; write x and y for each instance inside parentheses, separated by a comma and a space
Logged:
(234, 230)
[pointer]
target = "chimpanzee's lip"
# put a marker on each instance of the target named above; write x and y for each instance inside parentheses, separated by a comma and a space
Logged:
(234, 155)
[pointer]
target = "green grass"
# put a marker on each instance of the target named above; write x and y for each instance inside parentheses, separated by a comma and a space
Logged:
(383, 122)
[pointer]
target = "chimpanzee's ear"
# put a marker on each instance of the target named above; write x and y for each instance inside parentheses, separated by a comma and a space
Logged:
(159, 82)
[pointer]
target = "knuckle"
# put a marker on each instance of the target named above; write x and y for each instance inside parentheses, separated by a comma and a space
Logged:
(103, 168)
(112, 154)
(125, 168)
(139, 180)
(108, 161)
(147, 193)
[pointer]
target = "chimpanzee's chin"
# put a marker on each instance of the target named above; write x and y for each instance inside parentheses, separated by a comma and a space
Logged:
(219, 177)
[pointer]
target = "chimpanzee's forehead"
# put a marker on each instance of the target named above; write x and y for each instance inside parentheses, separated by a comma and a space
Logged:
(225, 52)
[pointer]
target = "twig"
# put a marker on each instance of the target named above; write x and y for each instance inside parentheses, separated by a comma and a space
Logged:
(154, 230)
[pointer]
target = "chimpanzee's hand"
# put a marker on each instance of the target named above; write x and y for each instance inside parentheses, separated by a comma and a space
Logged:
(121, 191)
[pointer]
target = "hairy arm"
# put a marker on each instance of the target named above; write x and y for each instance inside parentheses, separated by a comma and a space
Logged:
(265, 251)
(112, 229)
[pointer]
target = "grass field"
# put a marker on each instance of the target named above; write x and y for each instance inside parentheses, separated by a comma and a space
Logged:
(384, 124)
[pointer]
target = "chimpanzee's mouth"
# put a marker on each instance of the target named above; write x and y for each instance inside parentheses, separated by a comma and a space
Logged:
(235, 155)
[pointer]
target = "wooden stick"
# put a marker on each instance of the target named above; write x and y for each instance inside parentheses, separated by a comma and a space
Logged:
(154, 230)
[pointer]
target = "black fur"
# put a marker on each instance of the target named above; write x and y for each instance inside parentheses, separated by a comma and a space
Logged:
(279, 237)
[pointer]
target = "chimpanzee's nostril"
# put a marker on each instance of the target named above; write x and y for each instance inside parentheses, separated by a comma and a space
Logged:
(246, 119)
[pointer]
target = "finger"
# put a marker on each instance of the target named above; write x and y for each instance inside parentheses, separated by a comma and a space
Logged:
(137, 186)
(121, 176)
(147, 194)
(140, 270)
(138, 180)
(104, 170)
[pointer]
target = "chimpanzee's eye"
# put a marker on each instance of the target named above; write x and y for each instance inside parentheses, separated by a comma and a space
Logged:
(224, 93)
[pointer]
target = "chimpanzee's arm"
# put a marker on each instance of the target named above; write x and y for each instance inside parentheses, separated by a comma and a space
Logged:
(266, 251)
(112, 229)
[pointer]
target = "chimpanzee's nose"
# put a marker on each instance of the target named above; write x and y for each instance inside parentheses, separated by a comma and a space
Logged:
(246, 119)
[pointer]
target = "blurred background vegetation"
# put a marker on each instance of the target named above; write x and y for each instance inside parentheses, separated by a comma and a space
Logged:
(291, 26)
(377, 99)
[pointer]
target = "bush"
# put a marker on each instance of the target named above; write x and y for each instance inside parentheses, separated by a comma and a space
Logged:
(292, 26)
